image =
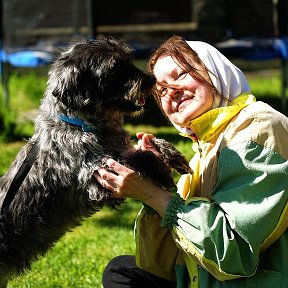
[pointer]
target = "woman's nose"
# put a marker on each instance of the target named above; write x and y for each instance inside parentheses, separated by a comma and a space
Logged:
(173, 91)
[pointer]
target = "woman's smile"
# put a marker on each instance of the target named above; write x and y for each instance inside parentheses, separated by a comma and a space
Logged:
(183, 102)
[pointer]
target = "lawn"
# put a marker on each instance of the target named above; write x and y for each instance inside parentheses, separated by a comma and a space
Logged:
(79, 258)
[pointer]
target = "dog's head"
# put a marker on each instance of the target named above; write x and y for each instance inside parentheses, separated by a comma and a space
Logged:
(96, 75)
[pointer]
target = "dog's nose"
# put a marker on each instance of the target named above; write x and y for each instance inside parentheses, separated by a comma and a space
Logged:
(151, 80)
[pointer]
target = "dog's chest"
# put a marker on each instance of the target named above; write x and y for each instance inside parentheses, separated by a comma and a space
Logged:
(116, 140)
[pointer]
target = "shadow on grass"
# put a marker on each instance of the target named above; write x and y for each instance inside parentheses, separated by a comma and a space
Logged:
(124, 217)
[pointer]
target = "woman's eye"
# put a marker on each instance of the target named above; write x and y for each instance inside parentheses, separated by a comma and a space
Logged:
(182, 75)
(163, 91)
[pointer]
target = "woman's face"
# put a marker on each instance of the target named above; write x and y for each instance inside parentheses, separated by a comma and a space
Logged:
(183, 98)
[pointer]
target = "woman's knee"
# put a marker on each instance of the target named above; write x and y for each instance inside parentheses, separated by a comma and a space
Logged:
(113, 271)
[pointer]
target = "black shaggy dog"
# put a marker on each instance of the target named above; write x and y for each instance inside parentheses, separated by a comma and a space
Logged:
(91, 87)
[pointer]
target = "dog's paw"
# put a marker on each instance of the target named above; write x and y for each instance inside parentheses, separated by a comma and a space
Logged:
(151, 166)
(103, 196)
(171, 156)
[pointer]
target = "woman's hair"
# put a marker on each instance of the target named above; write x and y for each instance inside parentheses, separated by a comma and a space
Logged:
(188, 59)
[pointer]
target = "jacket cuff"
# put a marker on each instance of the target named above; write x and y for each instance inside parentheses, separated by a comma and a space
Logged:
(148, 209)
(170, 217)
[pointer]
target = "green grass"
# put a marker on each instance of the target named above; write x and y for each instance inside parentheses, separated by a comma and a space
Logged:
(8, 151)
(22, 85)
(79, 258)
(25, 92)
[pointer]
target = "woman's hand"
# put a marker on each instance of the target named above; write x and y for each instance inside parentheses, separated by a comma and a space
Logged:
(127, 183)
(144, 143)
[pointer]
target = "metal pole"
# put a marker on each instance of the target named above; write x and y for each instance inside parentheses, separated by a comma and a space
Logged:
(91, 22)
(282, 14)
(4, 67)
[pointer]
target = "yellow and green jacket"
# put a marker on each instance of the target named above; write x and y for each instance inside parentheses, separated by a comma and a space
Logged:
(226, 225)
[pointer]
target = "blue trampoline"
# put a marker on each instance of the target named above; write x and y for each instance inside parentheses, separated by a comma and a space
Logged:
(27, 58)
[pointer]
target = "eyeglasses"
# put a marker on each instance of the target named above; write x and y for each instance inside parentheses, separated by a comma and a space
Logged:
(168, 90)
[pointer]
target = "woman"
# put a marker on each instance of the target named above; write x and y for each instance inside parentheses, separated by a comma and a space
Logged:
(226, 225)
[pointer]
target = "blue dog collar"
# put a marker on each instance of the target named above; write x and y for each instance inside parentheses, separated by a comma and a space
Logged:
(77, 122)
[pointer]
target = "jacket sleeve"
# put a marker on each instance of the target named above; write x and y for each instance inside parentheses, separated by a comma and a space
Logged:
(156, 251)
(247, 212)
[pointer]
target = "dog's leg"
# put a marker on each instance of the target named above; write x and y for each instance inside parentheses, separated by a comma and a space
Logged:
(171, 156)
(151, 166)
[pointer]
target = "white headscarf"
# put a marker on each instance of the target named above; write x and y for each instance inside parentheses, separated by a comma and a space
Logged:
(225, 76)
(228, 79)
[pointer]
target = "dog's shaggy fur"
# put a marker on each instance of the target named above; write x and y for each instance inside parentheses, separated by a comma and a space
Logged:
(94, 81)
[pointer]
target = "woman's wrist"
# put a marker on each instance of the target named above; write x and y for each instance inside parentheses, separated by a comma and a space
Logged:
(159, 200)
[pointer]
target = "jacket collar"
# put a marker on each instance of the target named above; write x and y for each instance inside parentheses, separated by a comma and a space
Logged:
(211, 123)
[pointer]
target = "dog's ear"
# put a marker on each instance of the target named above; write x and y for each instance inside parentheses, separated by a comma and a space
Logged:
(67, 84)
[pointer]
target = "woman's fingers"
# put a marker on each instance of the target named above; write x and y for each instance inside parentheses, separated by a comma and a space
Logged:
(139, 135)
(123, 181)
(144, 143)
(113, 180)
(106, 179)
(127, 183)
(118, 168)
